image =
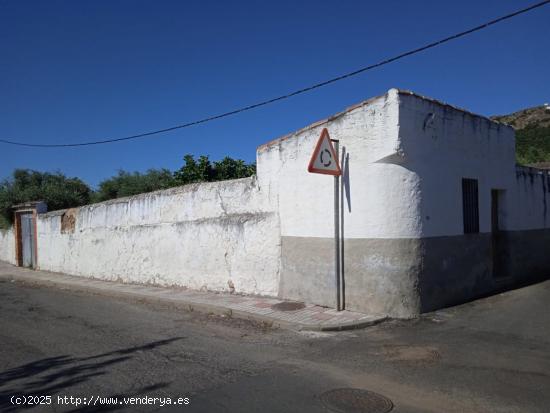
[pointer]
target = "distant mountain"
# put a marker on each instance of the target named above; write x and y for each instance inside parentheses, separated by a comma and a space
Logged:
(538, 116)
(532, 127)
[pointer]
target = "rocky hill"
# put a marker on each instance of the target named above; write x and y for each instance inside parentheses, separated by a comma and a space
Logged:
(532, 127)
(538, 116)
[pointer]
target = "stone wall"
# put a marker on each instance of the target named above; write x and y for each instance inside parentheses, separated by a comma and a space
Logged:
(219, 236)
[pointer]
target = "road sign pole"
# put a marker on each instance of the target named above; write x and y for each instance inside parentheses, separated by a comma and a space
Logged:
(337, 229)
(342, 237)
(325, 161)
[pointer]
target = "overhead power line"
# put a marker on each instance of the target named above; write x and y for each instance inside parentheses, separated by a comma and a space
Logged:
(291, 94)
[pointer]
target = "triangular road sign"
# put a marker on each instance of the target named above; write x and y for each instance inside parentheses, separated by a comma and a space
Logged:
(324, 159)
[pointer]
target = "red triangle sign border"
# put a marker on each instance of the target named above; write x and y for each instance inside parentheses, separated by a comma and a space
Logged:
(311, 168)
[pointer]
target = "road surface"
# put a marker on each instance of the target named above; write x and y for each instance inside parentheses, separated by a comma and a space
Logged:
(492, 355)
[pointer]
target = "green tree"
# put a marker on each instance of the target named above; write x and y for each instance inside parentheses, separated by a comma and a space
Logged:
(193, 171)
(229, 168)
(127, 184)
(202, 170)
(58, 191)
(533, 144)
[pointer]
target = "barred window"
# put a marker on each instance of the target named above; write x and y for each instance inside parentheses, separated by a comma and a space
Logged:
(470, 206)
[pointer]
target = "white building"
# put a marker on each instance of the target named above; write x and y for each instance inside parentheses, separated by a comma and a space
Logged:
(435, 212)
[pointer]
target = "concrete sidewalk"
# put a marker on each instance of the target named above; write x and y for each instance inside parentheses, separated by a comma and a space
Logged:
(271, 311)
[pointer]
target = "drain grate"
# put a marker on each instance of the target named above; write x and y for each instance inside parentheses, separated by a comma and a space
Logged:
(288, 306)
(356, 401)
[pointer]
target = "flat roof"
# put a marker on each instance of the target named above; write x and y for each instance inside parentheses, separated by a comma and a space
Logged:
(370, 100)
(320, 122)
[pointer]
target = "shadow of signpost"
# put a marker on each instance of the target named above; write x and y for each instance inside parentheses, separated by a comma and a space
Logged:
(345, 178)
(53, 374)
(344, 192)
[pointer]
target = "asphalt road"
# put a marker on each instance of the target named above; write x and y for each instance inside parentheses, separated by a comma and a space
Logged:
(492, 355)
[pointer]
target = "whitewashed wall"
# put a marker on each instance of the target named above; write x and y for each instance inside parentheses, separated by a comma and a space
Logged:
(380, 211)
(443, 144)
(376, 189)
(7, 246)
(214, 236)
(529, 200)
(404, 157)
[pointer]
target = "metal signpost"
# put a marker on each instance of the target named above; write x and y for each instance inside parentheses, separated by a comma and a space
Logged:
(325, 161)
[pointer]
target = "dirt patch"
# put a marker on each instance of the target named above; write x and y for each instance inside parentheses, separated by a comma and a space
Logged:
(68, 221)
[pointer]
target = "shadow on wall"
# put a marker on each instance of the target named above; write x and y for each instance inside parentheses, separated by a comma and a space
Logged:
(345, 178)
(51, 375)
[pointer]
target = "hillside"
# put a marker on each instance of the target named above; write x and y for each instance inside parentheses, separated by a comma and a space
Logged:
(539, 116)
(532, 127)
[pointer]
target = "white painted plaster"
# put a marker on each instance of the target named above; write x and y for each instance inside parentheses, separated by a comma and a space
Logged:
(7, 245)
(407, 157)
(381, 199)
(442, 145)
(201, 236)
(527, 203)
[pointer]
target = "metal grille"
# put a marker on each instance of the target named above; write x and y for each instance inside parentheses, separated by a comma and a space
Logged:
(470, 205)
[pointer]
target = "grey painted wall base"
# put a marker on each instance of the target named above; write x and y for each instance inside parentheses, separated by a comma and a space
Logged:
(462, 268)
(404, 277)
(381, 275)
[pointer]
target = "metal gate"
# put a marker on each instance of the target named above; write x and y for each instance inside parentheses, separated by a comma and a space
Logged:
(28, 240)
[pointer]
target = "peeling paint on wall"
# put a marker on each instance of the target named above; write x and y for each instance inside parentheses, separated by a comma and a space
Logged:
(220, 236)
(68, 221)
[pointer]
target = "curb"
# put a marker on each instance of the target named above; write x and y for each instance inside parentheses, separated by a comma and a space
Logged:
(114, 289)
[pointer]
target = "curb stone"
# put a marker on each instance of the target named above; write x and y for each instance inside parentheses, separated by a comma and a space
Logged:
(275, 319)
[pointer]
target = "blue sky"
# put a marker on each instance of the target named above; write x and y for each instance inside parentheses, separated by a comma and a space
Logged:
(73, 71)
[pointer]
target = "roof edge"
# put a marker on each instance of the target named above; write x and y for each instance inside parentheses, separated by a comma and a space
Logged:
(322, 121)
(405, 92)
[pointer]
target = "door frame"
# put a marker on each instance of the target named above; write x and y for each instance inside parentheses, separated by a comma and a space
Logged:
(33, 208)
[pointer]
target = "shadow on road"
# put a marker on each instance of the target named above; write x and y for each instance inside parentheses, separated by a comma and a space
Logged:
(51, 375)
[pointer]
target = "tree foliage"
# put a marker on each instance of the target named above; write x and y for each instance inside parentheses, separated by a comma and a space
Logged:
(127, 184)
(202, 170)
(533, 144)
(193, 170)
(58, 191)
(229, 168)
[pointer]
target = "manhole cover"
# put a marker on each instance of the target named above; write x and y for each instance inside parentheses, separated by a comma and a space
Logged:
(288, 306)
(356, 401)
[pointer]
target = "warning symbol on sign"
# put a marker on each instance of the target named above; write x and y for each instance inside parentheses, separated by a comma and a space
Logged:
(324, 159)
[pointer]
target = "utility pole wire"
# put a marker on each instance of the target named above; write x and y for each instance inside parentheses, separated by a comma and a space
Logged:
(291, 94)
